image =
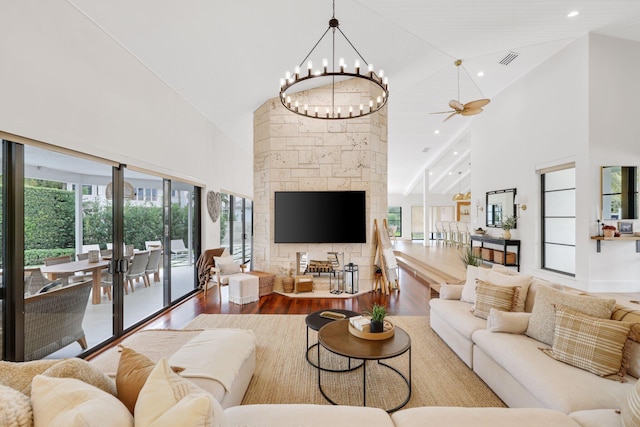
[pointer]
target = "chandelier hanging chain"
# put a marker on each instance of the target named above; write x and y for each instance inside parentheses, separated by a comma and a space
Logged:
(334, 110)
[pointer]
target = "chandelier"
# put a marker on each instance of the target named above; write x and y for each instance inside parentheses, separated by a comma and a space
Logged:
(293, 85)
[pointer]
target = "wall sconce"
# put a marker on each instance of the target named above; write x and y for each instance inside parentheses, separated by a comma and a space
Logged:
(519, 201)
(479, 207)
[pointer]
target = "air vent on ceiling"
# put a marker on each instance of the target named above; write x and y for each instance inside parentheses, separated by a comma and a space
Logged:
(425, 149)
(508, 58)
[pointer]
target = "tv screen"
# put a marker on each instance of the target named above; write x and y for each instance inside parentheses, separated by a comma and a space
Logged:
(320, 217)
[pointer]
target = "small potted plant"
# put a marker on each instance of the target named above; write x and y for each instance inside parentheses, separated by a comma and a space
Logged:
(507, 224)
(609, 230)
(378, 313)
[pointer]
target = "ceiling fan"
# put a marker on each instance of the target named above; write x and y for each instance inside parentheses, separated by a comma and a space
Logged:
(470, 108)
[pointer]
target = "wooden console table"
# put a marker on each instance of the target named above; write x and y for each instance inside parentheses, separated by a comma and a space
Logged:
(483, 239)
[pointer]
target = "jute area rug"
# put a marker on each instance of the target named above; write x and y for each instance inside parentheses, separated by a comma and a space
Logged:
(283, 374)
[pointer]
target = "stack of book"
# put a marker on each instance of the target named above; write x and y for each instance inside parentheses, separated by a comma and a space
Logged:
(359, 322)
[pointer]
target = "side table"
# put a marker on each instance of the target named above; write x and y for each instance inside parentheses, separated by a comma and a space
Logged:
(315, 321)
(265, 280)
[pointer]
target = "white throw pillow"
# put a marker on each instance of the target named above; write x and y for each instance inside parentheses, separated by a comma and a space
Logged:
(229, 268)
(469, 290)
(448, 291)
(509, 322)
(219, 260)
(168, 400)
(520, 280)
(68, 402)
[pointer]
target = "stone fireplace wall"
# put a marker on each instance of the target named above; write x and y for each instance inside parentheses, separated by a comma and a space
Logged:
(295, 153)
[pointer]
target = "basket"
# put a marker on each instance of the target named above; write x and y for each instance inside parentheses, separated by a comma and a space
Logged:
(388, 332)
(487, 254)
(498, 257)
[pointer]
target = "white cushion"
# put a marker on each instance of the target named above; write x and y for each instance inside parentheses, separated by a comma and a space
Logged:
(597, 418)
(167, 399)
(508, 322)
(15, 408)
(469, 290)
(229, 268)
(480, 417)
(68, 402)
(448, 291)
(219, 260)
(498, 278)
(458, 316)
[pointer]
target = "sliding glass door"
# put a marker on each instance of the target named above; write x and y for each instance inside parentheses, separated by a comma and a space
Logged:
(236, 227)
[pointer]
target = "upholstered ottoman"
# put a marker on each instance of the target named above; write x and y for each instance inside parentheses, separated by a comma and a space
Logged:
(243, 288)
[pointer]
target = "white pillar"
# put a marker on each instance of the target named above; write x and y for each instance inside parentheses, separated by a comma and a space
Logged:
(425, 207)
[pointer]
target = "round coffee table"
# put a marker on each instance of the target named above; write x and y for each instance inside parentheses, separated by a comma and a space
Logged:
(316, 321)
(336, 338)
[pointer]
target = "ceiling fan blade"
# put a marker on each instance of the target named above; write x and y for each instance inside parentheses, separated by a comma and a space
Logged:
(456, 105)
(449, 116)
(444, 112)
(471, 112)
(478, 103)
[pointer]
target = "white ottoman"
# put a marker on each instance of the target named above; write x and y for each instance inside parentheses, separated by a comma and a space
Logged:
(243, 288)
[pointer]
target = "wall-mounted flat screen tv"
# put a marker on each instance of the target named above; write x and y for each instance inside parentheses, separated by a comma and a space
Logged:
(320, 217)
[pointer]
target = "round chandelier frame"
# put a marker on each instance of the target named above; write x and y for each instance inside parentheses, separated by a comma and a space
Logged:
(332, 112)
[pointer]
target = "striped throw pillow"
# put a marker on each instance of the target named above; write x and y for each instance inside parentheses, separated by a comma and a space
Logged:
(589, 343)
(490, 296)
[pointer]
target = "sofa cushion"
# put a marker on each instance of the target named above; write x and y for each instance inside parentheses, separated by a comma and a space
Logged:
(630, 410)
(68, 402)
(15, 408)
(480, 417)
(458, 315)
(133, 370)
(511, 323)
(469, 290)
(554, 384)
(595, 345)
(168, 400)
(82, 370)
(294, 415)
(597, 418)
(496, 277)
(490, 296)
(542, 322)
(448, 291)
(18, 375)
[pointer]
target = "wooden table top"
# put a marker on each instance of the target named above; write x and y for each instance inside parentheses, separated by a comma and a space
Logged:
(335, 337)
(73, 266)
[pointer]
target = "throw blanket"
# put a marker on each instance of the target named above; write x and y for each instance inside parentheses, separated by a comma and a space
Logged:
(216, 354)
(204, 264)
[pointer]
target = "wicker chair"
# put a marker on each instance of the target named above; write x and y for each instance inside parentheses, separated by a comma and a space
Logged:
(53, 320)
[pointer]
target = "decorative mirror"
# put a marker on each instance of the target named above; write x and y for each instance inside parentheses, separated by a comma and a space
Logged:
(500, 204)
(620, 192)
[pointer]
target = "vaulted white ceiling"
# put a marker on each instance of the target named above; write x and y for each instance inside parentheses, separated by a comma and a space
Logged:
(226, 58)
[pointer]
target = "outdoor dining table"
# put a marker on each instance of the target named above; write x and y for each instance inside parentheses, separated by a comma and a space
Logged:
(52, 272)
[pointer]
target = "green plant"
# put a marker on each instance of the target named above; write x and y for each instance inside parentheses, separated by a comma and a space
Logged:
(468, 258)
(378, 313)
(509, 222)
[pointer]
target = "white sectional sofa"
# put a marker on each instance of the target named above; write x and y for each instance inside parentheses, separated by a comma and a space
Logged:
(513, 365)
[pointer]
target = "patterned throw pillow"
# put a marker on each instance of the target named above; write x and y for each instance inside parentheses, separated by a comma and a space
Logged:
(630, 411)
(542, 323)
(490, 296)
(589, 343)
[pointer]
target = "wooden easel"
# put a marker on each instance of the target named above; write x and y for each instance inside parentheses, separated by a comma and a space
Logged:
(383, 242)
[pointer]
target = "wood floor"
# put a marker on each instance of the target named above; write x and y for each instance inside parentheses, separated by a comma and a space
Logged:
(411, 300)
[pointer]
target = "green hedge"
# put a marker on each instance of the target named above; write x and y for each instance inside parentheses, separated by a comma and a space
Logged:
(37, 256)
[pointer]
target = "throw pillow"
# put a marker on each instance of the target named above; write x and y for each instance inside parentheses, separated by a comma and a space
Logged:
(170, 400)
(133, 370)
(15, 408)
(18, 375)
(68, 402)
(511, 323)
(469, 290)
(229, 268)
(490, 296)
(630, 410)
(84, 371)
(218, 260)
(448, 291)
(542, 323)
(595, 345)
(496, 277)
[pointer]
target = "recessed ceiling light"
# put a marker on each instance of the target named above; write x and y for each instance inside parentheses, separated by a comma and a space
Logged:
(436, 131)
(480, 73)
(450, 173)
(430, 173)
(455, 153)
(573, 13)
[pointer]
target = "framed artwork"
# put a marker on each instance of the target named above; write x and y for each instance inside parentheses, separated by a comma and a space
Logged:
(625, 227)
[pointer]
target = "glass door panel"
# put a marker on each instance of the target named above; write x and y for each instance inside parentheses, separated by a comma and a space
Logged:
(182, 234)
(67, 219)
(143, 233)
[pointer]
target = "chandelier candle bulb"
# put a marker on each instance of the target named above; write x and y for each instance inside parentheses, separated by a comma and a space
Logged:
(378, 101)
(296, 105)
(309, 68)
(361, 108)
(370, 70)
(357, 66)
(297, 72)
(325, 64)
(306, 107)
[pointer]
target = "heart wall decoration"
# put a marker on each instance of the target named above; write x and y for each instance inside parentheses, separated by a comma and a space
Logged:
(214, 202)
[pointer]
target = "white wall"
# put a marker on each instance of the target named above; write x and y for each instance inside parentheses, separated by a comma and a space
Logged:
(406, 202)
(65, 82)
